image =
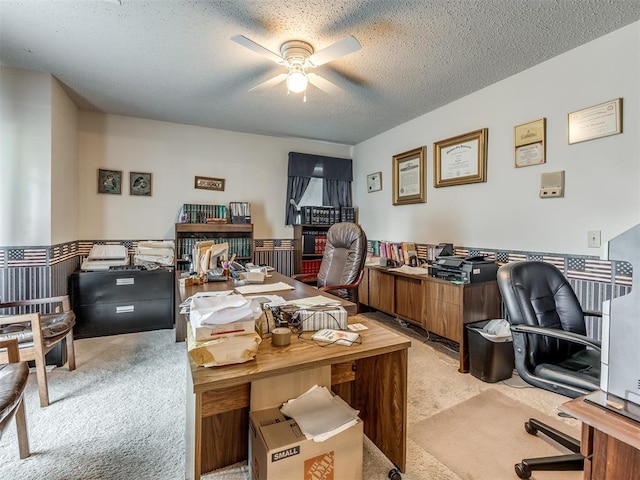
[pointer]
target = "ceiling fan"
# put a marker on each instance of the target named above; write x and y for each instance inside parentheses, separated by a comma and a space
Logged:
(298, 57)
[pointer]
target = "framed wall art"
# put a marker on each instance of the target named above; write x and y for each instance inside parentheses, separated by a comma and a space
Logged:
(595, 122)
(110, 181)
(529, 141)
(462, 159)
(209, 183)
(140, 184)
(408, 177)
(374, 182)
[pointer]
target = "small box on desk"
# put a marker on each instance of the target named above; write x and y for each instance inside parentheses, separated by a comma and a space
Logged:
(280, 451)
(312, 319)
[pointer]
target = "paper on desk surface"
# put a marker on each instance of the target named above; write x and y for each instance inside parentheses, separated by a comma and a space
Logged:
(411, 270)
(268, 287)
(317, 301)
(319, 414)
(219, 310)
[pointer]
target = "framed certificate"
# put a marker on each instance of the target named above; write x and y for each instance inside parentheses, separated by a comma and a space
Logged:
(462, 159)
(529, 141)
(595, 122)
(408, 177)
(374, 182)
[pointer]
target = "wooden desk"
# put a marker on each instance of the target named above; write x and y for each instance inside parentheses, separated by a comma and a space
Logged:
(610, 441)
(301, 290)
(371, 377)
(437, 305)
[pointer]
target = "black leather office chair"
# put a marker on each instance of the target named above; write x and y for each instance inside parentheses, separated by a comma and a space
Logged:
(343, 260)
(550, 346)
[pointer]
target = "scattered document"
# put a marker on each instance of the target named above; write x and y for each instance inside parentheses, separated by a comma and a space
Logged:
(411, 270)
(317, 301)
(269, 287)
(319, 414)
(340, 337)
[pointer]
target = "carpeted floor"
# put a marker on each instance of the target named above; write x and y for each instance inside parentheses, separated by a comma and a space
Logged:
(121, 414)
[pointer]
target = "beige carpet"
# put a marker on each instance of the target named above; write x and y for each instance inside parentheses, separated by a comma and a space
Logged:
(483, 437)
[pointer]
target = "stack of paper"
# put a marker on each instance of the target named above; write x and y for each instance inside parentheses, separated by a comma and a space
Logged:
(319, 414)
(212, 316)
(154, 252)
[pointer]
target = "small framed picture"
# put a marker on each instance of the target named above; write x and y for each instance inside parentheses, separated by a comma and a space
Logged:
(209, 183)
(374, 182)
(140, 184)
(110, 181)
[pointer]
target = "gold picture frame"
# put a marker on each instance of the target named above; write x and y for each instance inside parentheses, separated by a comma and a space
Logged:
(529, 141)
(210, 183)
(408, 177)
(594, 122)
(461, 160)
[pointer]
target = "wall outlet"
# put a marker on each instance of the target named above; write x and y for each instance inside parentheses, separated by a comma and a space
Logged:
(593, 239)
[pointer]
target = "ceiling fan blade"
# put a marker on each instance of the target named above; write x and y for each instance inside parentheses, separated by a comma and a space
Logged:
(270, 83)
(323, 84)
(259, 49)
(339, 49)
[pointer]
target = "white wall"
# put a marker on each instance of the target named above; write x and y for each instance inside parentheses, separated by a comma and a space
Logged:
(64, 167)
(602, 183)
(25, 157)
(254, 167)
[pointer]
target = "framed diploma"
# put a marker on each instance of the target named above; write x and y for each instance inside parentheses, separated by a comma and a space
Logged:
(596, 122)
(374, 182)
(408, 177)
(462, 159)
(530, 143)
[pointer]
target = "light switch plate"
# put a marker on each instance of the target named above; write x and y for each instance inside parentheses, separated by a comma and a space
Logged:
(593, 239)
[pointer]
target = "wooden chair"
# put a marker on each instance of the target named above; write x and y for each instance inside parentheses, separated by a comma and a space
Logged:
(13, 380)
(37, 333)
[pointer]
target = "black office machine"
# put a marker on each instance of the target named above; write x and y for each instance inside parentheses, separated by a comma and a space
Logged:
(464, 269)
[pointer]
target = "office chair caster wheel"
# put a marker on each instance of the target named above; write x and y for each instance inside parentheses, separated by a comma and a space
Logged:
(522, 470)
(531, 430)
(394, 474)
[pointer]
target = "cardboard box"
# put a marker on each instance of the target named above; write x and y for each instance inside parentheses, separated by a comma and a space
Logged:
(280, 451)
(311, 319)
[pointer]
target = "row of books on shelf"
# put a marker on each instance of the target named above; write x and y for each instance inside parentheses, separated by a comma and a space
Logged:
(241, 246)
(313, 243)
(238, 212)
(310, 266)
(310, 215)
(400, 252)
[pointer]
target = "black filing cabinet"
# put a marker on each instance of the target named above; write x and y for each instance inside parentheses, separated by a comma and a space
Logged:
(121, 301)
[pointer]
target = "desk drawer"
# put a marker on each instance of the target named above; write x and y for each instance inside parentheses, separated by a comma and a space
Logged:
(122, 317)
(89, 288)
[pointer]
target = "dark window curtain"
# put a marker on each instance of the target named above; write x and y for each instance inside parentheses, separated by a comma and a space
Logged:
(336, 193)
(336, 173)
(295, 189)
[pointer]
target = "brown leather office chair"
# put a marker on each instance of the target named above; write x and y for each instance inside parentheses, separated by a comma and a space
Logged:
(343, 260)
(37, 333)
(13, 379)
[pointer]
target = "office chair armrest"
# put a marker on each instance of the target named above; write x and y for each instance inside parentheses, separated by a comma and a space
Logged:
(13, 351)
(559, 334)
(34, 318)
(63, 299)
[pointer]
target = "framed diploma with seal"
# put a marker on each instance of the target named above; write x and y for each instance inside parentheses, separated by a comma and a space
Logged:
(462, 159)
(374, 182)
(595, 122)
(530, 143)
(408, 177)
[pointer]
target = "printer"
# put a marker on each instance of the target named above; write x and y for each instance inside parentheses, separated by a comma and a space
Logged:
(464, 269)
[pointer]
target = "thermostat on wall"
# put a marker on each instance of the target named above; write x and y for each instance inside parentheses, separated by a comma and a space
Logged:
(552, 184)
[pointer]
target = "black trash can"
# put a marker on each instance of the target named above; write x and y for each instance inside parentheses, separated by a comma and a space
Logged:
(490, 359)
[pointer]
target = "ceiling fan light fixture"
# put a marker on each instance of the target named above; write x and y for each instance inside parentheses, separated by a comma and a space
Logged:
(297, 80)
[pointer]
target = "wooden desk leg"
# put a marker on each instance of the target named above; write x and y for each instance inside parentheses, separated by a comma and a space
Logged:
(380, 393)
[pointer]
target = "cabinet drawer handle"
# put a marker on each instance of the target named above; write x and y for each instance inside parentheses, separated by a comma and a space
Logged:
(125, 281)
(125, 309)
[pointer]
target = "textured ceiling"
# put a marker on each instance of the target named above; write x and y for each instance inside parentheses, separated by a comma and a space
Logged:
(173, 60)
